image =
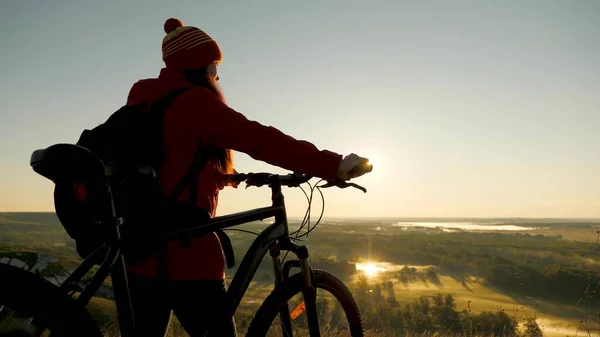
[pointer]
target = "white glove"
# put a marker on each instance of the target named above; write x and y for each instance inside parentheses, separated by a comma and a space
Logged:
(353, 166)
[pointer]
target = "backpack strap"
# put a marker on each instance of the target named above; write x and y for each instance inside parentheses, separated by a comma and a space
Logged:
(191, 177)
(157, 112)
(227, 247)
(159, 107)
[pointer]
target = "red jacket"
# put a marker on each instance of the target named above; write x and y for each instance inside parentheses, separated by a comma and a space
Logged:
(199, 116)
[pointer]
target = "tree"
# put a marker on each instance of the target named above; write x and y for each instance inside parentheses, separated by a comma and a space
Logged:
(377, 296)
(421, 311)
(444, 313)
(433, 277)
(391, 294)
(495, 324)
(363, 283)
(532, 329)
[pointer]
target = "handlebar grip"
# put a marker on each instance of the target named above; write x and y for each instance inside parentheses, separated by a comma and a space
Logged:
(361, 169)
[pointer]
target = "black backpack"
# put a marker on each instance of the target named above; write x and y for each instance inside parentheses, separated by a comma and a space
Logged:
(129, 143)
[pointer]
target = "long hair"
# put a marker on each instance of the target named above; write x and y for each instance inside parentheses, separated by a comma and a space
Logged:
(223, 158)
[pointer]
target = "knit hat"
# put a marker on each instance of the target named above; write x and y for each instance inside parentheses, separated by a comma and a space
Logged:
(187, 47)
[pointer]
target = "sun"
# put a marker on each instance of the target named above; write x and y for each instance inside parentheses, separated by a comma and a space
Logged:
(375, 158)
(372, 160)
(369, 269)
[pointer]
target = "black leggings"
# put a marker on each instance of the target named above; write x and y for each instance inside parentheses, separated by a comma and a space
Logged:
(198, 304)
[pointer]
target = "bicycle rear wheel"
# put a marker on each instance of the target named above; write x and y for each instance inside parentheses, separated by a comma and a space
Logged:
(337, 311)
(24, 296)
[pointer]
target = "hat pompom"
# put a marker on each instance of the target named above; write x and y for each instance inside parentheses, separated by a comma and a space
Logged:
(171, 24)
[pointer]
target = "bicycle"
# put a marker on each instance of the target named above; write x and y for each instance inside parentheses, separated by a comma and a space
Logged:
(53, 307)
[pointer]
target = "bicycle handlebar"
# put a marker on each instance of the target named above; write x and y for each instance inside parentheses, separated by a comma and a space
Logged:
(290, 180)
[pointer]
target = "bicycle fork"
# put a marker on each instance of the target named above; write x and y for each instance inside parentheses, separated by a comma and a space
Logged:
(308, 290)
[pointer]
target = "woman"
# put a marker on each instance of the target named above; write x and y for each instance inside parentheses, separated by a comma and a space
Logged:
(196, 287)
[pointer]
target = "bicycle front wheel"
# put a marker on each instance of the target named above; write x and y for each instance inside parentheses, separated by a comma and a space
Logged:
(337, 311)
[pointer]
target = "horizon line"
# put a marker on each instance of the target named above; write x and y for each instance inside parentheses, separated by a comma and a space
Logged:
(405, 217)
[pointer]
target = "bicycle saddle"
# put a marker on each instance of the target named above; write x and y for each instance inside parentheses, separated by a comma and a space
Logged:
(68, 162)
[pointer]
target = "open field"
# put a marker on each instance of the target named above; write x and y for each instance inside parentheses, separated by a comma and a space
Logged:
(476, 297)
(546, 270)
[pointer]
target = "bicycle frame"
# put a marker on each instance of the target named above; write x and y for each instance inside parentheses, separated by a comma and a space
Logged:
(274, 238)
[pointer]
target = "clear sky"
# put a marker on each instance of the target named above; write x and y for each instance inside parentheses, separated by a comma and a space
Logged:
(467, 108)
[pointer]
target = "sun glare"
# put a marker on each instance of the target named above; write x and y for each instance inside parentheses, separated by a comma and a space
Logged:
(375, 158)
(369, 269)
(373, 161)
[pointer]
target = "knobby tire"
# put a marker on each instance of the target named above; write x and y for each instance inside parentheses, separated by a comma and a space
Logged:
(325, 281)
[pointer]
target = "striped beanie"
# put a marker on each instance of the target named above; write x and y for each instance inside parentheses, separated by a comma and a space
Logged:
(187, 47)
